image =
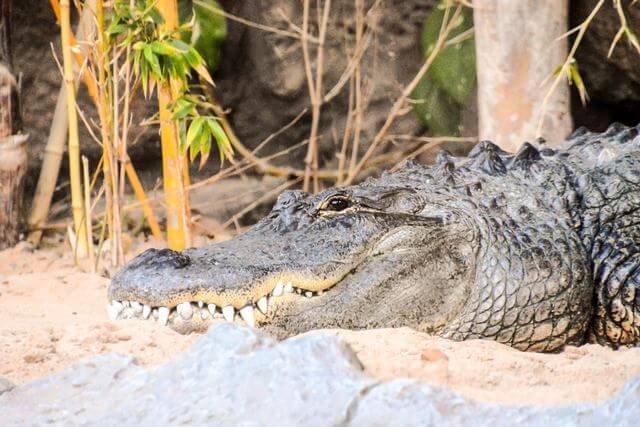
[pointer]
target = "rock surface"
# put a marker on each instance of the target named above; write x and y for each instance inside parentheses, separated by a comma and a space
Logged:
(237, 376)
(5, 385)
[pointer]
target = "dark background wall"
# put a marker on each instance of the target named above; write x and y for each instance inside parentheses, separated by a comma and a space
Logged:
(262, 80)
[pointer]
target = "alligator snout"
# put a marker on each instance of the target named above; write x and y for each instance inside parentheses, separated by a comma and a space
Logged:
(245, 276)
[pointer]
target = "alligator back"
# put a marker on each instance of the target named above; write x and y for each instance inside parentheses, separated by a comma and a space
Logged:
(560, 258)
(607, 169)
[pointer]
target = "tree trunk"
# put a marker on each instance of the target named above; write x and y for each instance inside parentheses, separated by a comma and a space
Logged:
(13, 152)
(516, 50)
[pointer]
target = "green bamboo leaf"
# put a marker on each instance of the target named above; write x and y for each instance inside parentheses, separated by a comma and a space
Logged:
(180, 70)
(144, 76)
(179, 45)
(183, 110)
(163, 48)
(209, 31)
(576, 78)
(194, 148)
(182, 136)
(194, 129)
(205, 150)
(220, 136)
(116, 28)
(153, 62)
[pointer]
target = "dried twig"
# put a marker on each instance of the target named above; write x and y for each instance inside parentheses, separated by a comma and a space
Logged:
(624, 30)
(359, 107)
(266, 196)
(255, 25)
(448, 26)
(564, 70)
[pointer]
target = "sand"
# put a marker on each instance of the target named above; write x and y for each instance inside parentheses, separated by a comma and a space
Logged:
(52, 314)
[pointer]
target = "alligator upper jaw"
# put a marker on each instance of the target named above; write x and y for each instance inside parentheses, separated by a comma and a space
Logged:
(197, 315)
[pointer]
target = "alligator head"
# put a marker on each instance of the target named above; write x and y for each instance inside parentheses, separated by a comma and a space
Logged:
(499, 246)
(353, 257)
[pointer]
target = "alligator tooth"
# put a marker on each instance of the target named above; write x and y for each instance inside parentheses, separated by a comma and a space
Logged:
(228, 312)
(263, 305)
(246, 313)
(200, 304)
(298, 291)
(137, 307)
(320, 293)
(185, 310)
(126, 303)
(114, 309)
(146, 311)
(212, 309)
(308, 294)
(204, 314)
(163, 315)
(277, 291)
(288, 288)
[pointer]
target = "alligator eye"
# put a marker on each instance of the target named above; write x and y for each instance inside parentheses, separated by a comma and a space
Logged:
(337, 204)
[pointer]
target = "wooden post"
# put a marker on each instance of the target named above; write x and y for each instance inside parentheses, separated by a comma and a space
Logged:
(13, 152)
(516, 50)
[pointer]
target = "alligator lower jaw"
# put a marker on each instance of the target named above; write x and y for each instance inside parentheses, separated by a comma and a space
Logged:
(198, 315)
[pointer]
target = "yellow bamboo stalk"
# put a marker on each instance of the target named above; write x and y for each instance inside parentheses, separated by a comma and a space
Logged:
(87, 209)
(176, 198)
(101, 105)
(77, 205)
(174, 193)
(92, 89)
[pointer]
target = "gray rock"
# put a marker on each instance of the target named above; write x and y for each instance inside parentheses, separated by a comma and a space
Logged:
(238, 376)
(408, 403)
(232, 376)
(5, 385)
(69, 397)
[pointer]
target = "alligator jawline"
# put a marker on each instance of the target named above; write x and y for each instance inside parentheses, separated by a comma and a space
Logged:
(201, 312)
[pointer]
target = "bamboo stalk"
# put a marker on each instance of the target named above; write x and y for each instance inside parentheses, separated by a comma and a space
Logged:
(53, 153)
(102, 103)
(90, 82)
(87, 210)
(172, 168)
(55, 147)
(172, 176)
(79, 57)
(74, 145)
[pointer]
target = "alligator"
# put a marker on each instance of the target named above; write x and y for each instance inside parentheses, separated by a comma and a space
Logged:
(537, 249)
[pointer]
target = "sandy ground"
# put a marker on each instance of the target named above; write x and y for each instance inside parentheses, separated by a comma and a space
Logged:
(52, 314)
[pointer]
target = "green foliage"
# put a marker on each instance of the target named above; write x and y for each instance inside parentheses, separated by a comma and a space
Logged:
(570, 69)
(196, 131)
(209, 29)
(436, 108)
(439, 97)
(161, 56)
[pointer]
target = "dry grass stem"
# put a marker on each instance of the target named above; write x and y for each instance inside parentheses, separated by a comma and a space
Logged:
(448, 26)
(563, 70)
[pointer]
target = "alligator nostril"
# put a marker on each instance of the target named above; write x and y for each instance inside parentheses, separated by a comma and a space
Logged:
(164, 257)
